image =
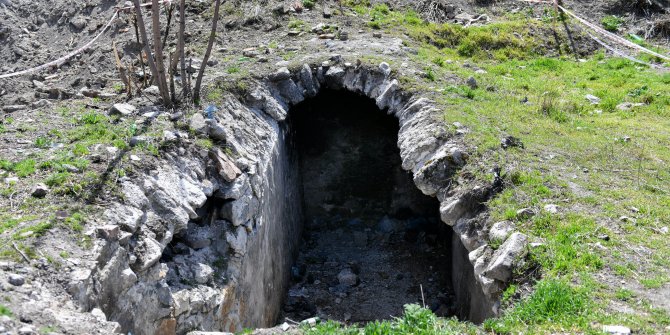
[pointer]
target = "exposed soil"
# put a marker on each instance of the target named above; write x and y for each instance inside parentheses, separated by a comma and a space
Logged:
(360, 270)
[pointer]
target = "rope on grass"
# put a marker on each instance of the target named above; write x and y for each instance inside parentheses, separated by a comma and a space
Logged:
(630, 58)
(614, 37)
(65, 58)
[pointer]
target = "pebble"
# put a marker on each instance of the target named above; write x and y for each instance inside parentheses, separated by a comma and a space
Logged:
(39, 190)
(122, 109)
(14, 108)
(377, 35)
(525, 213)
(137, 140)
(472, 83)
(135, 158)
(16, 280)
(593, 99)
(70, 168)
(347, 277)
(551, 208)
(616, 330)
(311, 321)
(41, 103)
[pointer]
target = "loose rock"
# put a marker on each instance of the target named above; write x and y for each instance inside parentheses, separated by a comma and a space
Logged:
(16, 280)
(593, 99)
(39, 190)
(347, 277)
(616, 330)
(525, 213)
(122, 109)
(472, 83)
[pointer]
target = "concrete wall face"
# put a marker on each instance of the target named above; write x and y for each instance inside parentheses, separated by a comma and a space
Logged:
(179, 269)
(265, 269)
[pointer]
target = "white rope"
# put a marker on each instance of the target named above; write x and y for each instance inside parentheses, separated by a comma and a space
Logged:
(63, 59)
(614, 37)
(617, 52)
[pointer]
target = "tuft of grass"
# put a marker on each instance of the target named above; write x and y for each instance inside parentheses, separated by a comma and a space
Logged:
(37, 230)
(296, 24)
(430, 74)
(57, 179)
(309, 4)
(42, 142)
(75, 222)
(204, 143)
(415, 320)
(80, 150)
(554, 301)
(624, 294)
(4, 310)
(611, 22)
(24, 168)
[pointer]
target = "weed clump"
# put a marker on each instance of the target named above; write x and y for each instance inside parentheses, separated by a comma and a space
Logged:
(611, 23)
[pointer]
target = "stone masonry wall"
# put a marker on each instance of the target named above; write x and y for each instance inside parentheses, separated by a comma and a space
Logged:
(166, 267)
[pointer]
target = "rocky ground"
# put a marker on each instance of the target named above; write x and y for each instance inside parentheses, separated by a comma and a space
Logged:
(357, 271)
(69, 167)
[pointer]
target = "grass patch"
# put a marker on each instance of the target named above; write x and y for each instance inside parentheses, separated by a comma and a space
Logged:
(611, 22)
(296, 24)
(4, 310)
(23, 168)
(37, 230)
(554, 302)
(415, 320)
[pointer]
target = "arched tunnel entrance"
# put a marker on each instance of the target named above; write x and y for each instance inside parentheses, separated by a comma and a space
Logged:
(371, 241)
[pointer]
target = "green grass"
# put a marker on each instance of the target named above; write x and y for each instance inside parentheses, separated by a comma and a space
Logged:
(296, 24)
(4, 310)
(42, 142)
(309, 4)
(595, 162)
(611, 22)
(22, 169)
(554, 303)
(37, 230)
(415, 320)
(75, 222)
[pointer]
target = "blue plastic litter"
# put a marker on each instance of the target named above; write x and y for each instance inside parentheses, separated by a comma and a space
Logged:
(210, 110)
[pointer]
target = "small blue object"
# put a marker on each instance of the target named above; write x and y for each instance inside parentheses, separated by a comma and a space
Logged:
(210, 110)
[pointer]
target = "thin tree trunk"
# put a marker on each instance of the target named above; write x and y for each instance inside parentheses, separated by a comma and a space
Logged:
(158, 49)
(167, 28)
(137, 37)
(212, 36)
(171, 72)
(186, 86)
(145, 40)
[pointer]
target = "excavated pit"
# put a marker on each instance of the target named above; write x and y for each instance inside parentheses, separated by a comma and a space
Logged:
(371, 242)
(320, 198)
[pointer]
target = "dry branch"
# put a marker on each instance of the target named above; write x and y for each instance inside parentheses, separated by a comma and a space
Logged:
(145, 41)
(210, 44)
(185, 82)
(158, 49)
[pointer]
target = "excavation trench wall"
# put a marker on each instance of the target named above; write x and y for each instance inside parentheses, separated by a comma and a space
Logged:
(205, 241)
